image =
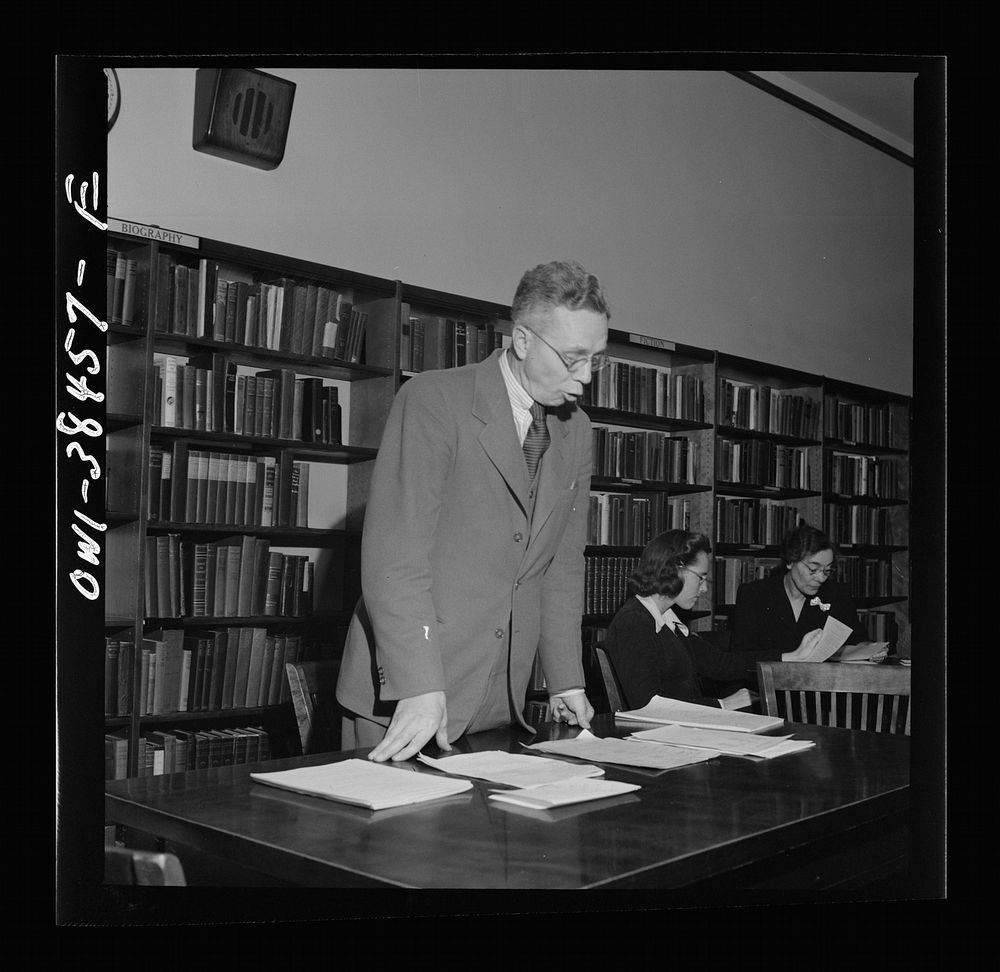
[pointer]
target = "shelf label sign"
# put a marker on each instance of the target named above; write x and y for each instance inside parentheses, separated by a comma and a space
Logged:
(156, 233)
(652, 342)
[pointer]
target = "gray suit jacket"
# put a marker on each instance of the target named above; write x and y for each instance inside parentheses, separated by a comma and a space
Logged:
(459, 587)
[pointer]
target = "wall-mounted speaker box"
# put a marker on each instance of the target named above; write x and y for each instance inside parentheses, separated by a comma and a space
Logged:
(242, 115)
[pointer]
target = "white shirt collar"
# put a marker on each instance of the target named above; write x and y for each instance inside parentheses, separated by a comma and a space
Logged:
(520, 400)
(667, 618)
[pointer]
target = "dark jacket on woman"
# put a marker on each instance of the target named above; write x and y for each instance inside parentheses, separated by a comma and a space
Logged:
(764, 618)
(648, 663)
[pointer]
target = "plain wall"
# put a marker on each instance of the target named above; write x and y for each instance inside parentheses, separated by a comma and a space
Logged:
(714, 213)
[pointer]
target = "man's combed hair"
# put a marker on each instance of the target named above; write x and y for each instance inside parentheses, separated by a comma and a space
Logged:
(659, 567)
(561, 283)
(802, 541)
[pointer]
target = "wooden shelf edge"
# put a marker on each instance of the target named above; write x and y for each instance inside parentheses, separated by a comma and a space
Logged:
(298, 533)
(211, 714)
(242, 622)
(605, 484)
(297, 447)
(745, 491)
(735, 432)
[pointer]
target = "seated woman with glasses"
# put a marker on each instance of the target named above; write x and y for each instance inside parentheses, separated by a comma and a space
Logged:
(652, 651)
(782, 611)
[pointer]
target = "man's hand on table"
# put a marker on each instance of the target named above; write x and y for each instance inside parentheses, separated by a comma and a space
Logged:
(415, 721)
(573, 708)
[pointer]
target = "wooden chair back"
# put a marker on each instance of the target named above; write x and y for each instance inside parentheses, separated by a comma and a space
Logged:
(871, 697)
(611, 687)
(313, 686)
(139, 867)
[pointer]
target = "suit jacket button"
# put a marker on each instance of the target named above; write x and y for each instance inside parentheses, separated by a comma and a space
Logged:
(518, 537)
(498, 633)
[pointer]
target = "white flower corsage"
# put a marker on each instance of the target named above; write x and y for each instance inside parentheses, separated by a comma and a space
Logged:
(816, 602)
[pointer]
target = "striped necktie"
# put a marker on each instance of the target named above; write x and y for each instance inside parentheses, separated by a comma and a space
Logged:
(537, 439)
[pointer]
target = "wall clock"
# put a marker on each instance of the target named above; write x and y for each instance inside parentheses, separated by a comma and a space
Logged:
(114, 96)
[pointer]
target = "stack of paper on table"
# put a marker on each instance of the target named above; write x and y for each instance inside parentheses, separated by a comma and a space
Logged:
(720, 741)
(674, 712)
(559, 794)
(514, 769)
(871, 652)
(364, 784)
(588, 746)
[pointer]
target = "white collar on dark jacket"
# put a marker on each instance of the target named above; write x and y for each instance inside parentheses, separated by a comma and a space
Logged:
(668, 617)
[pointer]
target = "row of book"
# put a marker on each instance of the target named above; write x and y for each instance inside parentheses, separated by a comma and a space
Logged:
(863, 476)
(199, 486)
(646, 456)
(756, 462)
(214, 670)
(852, 523)
(879, 626)
(633, 519)
(730, 573)
(761, 408)
(750, 520)
(234, 577)
(206, 394)
(605, 578)
(864, 576)
(213, 300)
(118, 660)
(126, 290)
(180, 750)
(659, 392)
(429, 343)
(861, 424)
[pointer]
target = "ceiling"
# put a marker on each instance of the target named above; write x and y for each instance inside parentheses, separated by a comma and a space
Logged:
(884, 99)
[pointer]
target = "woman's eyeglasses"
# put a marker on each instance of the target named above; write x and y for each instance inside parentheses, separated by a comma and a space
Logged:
(813, 571)
(702, 578)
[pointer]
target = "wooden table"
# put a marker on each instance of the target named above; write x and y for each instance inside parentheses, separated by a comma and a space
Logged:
(832, 817)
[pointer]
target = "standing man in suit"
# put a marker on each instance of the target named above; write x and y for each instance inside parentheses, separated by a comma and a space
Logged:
(472, 552)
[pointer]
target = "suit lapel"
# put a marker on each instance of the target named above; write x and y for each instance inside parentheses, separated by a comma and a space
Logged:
(491, 406)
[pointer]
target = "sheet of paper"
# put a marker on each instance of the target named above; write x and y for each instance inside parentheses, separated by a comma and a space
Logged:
(559, 794)
(621, 752)
(514, 769)
(835, 633)
(729, 743)
(872, 652)
(674, 712)
(570, 811)
(364, 783)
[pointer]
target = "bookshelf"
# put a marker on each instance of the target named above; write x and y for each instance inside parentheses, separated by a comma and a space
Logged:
(442, 330)
(653, 449)
(247, 395)
(768, 469)
(866, 490)
(650, 409)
